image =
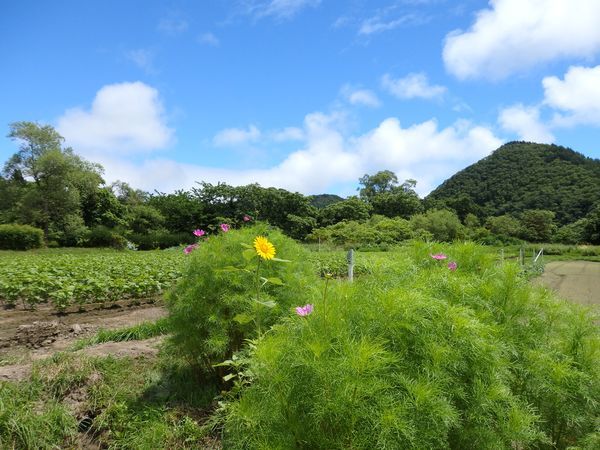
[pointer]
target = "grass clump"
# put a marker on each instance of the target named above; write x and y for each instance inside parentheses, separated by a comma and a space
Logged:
(424, 355)
(139, 332)
(130, 404)
(215, 307)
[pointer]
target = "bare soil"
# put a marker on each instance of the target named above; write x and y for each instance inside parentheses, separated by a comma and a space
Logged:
(578, 281)
(26, 336)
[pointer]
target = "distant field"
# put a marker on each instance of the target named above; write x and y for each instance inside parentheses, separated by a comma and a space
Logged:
(66, 277)
(578, 281)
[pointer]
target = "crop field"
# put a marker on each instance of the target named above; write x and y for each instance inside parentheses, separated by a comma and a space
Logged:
(64, 278)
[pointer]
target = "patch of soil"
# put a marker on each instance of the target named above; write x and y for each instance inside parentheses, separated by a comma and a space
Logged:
(26, 336)
(578, 281)
(48, 329)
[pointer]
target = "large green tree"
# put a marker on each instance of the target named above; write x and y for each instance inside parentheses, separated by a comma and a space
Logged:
(53, 182)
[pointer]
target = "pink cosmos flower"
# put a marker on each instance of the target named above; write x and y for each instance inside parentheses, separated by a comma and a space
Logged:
(439, 256)
(247, 218)
(304, 310)
(452, 266)
(199, 233)
(190, 248)
(224, 227)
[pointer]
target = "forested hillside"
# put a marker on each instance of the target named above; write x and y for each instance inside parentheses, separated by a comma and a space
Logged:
(522, 176)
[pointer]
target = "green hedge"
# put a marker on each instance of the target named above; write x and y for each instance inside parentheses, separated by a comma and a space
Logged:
(160, 240)
(20, 237)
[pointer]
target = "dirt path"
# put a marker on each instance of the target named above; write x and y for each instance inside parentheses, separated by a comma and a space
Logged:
(578, 281)
(26, 336)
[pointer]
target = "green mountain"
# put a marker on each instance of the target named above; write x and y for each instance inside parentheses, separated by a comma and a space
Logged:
(322, 200)
(524, 175)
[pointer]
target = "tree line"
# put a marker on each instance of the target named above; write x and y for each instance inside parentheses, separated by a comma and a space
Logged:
(47, 185)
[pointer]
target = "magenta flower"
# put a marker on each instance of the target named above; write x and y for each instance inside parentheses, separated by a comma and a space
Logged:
(452, 266)
(199, 233)
(304, 310)
(247, 218)
(439, 256)
(190, 248)
(224, 227)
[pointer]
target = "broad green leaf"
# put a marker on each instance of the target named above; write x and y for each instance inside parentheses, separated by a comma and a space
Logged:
(245, 245)
(229, 376)
(248, 254)
(275, 280)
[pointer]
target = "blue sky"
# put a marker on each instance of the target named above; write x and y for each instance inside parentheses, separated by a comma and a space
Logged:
(307, 95)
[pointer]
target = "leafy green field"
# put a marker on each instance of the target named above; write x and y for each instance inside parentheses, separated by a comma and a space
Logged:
(76, 277)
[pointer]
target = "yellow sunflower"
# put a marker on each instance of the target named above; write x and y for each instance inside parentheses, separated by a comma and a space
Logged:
(264, 248)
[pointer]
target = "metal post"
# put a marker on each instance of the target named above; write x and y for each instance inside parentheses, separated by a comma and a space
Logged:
(521, 256)
(350, 258)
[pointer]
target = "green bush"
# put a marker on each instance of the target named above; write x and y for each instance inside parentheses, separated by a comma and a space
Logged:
(160, 240)
(101, 236)
(214, 309)
(377, 232)
(443, 225)
(20, 237)
(420, 356)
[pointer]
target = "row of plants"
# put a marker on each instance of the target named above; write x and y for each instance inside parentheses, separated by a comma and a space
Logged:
(439, 347)
(76, 278)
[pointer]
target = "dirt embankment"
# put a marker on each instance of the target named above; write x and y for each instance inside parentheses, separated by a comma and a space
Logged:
(578, 281)
(26, 336)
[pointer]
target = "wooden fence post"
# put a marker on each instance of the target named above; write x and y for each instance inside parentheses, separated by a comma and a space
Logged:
(350, 258)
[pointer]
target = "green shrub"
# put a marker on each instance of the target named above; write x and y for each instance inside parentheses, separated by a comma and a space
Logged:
(160, 240)
(20, 237)
(377, 232)
(101, 236)
(443, 225)
(213, 308)
(420, 356)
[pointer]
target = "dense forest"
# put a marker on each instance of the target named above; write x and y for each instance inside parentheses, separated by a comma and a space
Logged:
(522, 191)
(522, 176)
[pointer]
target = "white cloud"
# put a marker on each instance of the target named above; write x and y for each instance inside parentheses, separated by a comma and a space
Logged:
(329, 157)
(377, 24)
(525, 122)
(287, 134)
(209, 39)
(124, 117)
(362, 97)
(230, 137)
(577, 96)
(143, 58)
(278, 9)
(515, 35)
(414, 85)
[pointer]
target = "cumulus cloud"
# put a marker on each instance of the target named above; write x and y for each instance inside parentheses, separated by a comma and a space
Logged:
(329, 156)
(209, 39)
(287, 134)
(577, 96)
(515, 35)
(414, 85)
(124, 117)
(525, 122)
(363, 97)
(231, 137)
